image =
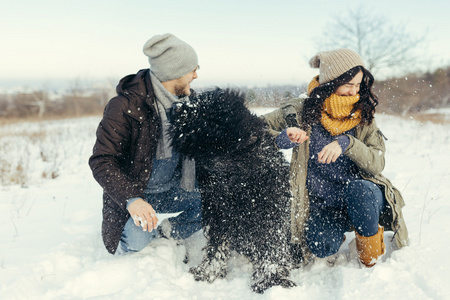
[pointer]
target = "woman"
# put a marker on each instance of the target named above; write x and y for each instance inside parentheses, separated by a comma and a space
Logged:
(337, 160)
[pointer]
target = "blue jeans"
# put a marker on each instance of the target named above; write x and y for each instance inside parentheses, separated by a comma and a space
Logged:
(134, 239)
(326, 226)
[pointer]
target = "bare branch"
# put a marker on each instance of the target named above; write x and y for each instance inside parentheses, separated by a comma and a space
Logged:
(384, 46)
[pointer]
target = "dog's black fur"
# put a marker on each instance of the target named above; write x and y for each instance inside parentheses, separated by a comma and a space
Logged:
(244, 183)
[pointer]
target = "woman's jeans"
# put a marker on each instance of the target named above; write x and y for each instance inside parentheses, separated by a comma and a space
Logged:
(134, 239)
(364, 202)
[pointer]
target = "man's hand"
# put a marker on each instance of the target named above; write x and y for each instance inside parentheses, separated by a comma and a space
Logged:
(329, 153)
(143, 215)
(296, 135)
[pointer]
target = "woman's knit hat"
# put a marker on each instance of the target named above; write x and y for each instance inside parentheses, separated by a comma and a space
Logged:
(334, 63)
(170, 58)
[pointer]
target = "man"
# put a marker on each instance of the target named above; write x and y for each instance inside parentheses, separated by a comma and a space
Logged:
(133, 159)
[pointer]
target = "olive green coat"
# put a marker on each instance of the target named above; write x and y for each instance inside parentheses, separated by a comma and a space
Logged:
(366, 149)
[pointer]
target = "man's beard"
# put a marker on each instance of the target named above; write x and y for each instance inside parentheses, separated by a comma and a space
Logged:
(180, 91)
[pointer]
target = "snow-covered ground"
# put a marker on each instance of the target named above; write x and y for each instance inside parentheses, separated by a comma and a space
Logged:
(51, 248)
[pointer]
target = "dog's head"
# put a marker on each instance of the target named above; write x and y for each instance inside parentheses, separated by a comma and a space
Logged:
(213, 122)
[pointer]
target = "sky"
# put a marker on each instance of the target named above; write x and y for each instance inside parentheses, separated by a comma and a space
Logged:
(247, 42)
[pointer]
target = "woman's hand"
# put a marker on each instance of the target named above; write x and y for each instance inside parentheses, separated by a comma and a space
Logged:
(296, 135)
(329, 153)
(143, 215)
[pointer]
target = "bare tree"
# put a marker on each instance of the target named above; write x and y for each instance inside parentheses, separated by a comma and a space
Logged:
(384, 46)
(41, 101)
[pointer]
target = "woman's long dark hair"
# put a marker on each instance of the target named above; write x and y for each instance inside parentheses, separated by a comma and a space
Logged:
(312, 108)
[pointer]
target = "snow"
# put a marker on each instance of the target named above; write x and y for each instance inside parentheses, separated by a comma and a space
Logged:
(50, 229)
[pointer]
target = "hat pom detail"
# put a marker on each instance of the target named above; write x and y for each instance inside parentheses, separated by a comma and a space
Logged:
(314, 62)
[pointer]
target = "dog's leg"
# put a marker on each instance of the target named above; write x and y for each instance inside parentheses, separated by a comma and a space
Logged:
(269, 274)
(214, 264)
(272, 267)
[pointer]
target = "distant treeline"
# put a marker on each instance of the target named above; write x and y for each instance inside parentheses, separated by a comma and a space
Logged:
(409, 94)
(414, 93)
(43, 104)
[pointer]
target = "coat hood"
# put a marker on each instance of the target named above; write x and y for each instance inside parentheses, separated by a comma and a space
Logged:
(138, 84)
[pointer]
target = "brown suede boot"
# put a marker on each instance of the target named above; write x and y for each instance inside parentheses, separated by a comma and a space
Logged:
(370, 248)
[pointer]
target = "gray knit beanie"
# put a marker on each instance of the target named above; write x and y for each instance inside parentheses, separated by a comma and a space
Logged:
(170, 58)
(334, 63)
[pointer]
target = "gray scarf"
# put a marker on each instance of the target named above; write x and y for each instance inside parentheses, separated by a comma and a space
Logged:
(164, 102)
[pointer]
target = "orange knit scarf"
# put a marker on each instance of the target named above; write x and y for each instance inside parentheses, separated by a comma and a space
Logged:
(336, 110)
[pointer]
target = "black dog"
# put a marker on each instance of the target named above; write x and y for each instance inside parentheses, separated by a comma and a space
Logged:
(243, 180)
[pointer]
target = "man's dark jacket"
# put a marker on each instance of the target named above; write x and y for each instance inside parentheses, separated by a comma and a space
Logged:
(123, 153)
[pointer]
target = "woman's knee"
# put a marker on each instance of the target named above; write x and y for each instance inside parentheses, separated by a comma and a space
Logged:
(324, 247)
(365, 201)
(325, 232)
(361, 186)
(363, 193)
(323, 242)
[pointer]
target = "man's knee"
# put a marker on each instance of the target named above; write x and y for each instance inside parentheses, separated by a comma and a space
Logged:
(134, 239)
(137, 244)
